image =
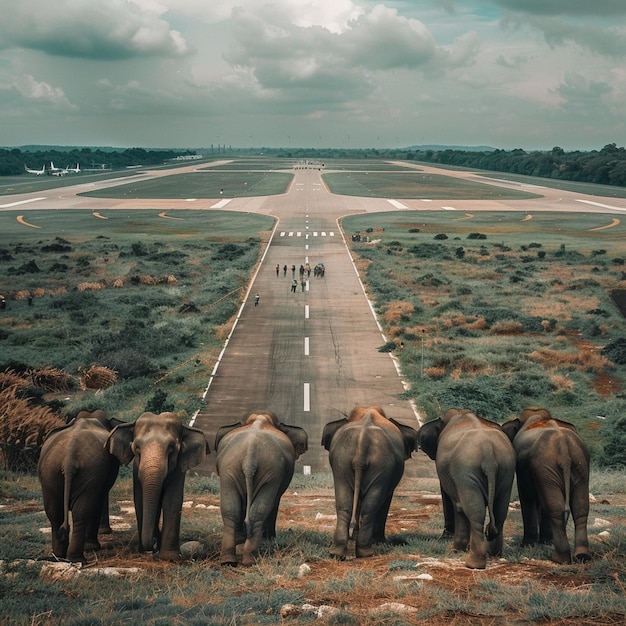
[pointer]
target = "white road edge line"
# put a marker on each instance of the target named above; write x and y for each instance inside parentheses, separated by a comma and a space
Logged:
(603, 206)
(11, 204)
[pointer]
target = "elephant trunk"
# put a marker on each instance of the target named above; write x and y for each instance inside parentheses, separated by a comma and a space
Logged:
(152, 473)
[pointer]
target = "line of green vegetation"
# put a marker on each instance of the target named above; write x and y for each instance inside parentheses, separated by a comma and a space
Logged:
(416, 184)
(201, 184)
(499, 311)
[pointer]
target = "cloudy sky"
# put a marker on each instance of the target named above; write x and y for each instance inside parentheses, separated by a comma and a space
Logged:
(531, 74)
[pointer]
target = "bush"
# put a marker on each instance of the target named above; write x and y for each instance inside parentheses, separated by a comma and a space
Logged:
(615, 351)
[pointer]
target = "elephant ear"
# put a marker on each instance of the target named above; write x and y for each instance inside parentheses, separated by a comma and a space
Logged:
(428, 437)
(511, 428)
(193, 450)
(329, 431)
(224, 430)
(298, 437)
(409, 436)
(119, 442)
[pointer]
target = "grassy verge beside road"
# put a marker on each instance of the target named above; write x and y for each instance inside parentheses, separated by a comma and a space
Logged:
(496, 312)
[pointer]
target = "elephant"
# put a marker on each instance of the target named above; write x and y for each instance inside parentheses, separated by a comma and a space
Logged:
(367, 452)
(76, 473)
(552, 480)
(255, 463)
(475, 463)
(163, 451)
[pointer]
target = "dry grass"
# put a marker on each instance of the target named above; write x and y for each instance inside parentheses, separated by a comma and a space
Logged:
(97, 377)
(397, 310)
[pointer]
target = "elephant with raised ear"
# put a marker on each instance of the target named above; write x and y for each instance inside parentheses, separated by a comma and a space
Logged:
(367, 452)
(255, 463)
(163, 450)
(76, 473)
(552, 480)
(476, 466)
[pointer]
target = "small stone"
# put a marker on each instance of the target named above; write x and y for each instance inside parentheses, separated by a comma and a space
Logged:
(303, 570)
(191, 549)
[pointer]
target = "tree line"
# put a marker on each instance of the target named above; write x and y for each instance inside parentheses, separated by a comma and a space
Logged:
(12, 160)
(606, 166)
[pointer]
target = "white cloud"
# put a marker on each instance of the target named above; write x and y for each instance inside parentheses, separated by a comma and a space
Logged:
(114, 29)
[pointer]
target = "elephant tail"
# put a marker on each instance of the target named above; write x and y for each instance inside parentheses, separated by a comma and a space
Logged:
(565, 463)
(490, 469)
(68, 474)
(249, 471)
(359, 463)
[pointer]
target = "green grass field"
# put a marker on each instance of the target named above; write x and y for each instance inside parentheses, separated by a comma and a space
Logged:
(412, 184)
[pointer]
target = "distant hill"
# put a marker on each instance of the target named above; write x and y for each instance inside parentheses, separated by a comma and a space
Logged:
(438, 148)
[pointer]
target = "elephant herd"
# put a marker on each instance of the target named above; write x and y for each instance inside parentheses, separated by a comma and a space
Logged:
(476, 461)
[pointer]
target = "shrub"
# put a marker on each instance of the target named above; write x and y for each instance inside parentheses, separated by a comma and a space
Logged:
(615, 351)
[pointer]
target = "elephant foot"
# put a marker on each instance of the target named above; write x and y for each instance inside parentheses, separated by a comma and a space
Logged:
(229, 558)
(447, 534)
(169, 555)
(339, 554)
(564, 558)
(476, 562)
(76, 558)
(363, 553)
(105, 530)
(581, 555)
(248, 560)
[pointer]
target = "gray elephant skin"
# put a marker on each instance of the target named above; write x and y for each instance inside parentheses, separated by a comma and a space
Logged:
(475, 463)
(553, 481)
(76, 473)
(255, 464)
(163, 450)
(367, 452)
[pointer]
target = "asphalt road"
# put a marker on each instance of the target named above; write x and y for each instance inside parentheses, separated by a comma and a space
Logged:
(312, 355)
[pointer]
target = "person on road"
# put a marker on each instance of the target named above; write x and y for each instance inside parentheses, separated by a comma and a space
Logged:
(277, 270)
(303, 283)
(293, 271)
(256, 299)
(284, 270)
(294, 286)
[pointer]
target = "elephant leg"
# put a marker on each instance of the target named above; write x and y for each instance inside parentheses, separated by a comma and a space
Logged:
(263, 512)
(252, 545)
(75, 551)
(172, 505)
(371, 506)
(448, 516)
(461, 531)
(545, 527)
(561, 552)
(580, 514)
(91, 533)
(343, 505)
(104, 524)
(380, 520)
(55, 515)
(477, 557)
(530, 509)
(581, 540)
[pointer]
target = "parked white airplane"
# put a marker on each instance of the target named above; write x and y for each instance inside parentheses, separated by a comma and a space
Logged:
(36, 172)
(73, 170)
(57, 171)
